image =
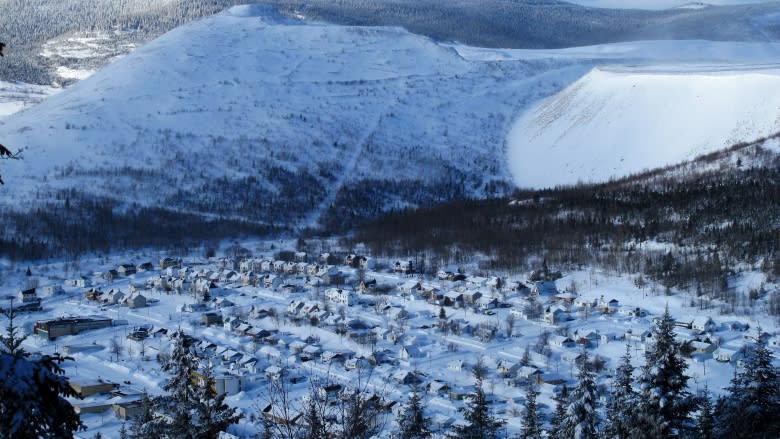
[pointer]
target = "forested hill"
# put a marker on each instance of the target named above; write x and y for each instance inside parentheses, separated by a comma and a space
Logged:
(28, 26)
(688, 225)
(543, 23)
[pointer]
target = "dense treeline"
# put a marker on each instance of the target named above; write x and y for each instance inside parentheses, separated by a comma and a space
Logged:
(81, 224)
(26, 25)
(536, 23)
(706, 224)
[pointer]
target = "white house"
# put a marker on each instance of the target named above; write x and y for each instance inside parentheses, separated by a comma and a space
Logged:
(341, 296)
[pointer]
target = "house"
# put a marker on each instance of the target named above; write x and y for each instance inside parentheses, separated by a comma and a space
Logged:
(529, 373)
(437, 387)
(702, 348)
(366, 286)
(703, 324)
(608, 306)
(356, 363)
(471, 296)
(137, 301)
(79, 282)
(126, 269)
(341, 296)
(278, 266)
(114, 297)
(544, 288)
(407, 378)
(486, 303)
(453, 298)
(555, 316)
(146, 266)
(476, 281)
(410, 288)
(561, 341)
(367, 263)
(455, 365)
(295, 306)
(127, 409)
(51, 290)
(408, 352)
(28, 296)
(403, 267)
(507, 368)
(272, 281)
(110, 275)
(333, 277)
(727, 355)
(169, 262)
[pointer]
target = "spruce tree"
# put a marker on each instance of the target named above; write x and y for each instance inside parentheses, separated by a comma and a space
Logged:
(481, 424)
(146, 425)
(561, 402)
(582, 418)
(211, 414)
(33, 391)
(197, 411)
(751, 408)
(413, 423)
(705, 421)
(314, 417)
(665, 403)
(531, 428)
(183, 365)
(622, 399)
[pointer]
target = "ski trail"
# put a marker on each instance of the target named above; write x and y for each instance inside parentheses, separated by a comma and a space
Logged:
(350, 163)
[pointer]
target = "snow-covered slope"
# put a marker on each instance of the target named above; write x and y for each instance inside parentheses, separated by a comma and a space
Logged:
(617, 121)
(252, 116)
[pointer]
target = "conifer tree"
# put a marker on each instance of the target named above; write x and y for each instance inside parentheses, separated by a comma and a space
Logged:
(33, 391)
(582, 418)
(481, 424)
(665, 403)
(146, 425)
(413, 423)
(531, 428)
(556, 422)
(211, 414)
(622, 399)
(750, 410)
(183, 365)
(704, 422)
(197, 411)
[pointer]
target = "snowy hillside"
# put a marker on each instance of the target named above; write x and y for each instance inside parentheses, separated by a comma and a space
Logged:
(252, 117)
(248, 115)
(617, 121)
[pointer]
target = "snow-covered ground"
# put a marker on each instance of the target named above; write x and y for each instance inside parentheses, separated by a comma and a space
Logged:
(136, 371)
(252, 91)
(616, 121)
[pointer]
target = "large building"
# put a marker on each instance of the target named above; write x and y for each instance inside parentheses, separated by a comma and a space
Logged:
(69, 326)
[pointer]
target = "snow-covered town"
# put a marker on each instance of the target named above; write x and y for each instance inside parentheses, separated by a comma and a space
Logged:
(267, 313)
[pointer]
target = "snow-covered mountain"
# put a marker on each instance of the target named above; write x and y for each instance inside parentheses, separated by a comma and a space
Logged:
(253, 117)
(617, 121)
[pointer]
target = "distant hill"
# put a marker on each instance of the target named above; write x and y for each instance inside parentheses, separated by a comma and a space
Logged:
(252, 122)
